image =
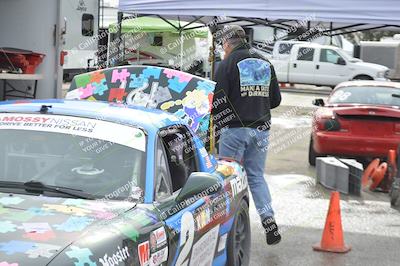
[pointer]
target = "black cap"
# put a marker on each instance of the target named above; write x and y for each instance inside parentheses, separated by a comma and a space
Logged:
(230, 32)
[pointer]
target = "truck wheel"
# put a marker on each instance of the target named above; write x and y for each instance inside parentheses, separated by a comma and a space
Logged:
(239, 238)
(362, 77)
(312, 154)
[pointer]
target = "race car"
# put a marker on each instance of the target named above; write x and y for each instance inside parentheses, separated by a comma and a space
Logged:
(96, 183)
(360, 120)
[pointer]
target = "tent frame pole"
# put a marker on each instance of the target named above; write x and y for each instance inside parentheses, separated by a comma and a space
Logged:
(108, 48)
(120, 19)
(361, 30)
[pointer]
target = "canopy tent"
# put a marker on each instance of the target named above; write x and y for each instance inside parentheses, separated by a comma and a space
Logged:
(383, 12)
(330, 17)
(155, 25)
(340, 15)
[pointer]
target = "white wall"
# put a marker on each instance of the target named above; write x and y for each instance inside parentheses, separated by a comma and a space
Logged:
(29, 24)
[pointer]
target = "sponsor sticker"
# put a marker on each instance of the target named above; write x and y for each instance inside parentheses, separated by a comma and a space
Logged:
(144, 253)
(84, 127)
(238, 184)
(204, 249)
(203, 218)
(115, 259)
(158, 239)
(159, 257)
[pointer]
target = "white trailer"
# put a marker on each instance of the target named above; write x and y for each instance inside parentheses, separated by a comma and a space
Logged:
(81, 38)
(36, 25)
(386, 53)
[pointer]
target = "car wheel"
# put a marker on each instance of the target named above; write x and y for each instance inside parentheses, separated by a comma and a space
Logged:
(239, 239)
(395, 193)
(312, 154)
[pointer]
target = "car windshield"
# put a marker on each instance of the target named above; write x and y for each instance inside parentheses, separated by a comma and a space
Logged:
(101, 158)
(372, 95)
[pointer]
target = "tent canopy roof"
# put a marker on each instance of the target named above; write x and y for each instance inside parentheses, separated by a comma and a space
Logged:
(373, 12)
(151, 24)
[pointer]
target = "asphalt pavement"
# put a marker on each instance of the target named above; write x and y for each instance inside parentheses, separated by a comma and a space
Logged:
(371, 227)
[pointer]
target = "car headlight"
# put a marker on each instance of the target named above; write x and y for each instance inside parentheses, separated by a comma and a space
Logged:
(386, 73)
(381, 74)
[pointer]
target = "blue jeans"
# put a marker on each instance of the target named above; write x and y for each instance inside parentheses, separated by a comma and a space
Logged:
(249, 146)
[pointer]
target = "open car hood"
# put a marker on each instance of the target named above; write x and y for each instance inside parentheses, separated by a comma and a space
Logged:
(187, 96)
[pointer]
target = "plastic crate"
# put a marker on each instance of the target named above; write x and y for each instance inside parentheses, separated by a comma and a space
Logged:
(27, 61)
(356, 170)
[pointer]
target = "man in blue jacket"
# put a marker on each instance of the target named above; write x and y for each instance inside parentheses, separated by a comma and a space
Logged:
(246, 91)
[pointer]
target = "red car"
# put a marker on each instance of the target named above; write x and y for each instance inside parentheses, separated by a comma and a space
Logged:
(361, 119)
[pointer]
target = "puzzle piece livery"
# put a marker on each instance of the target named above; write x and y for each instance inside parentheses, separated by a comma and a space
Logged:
(74, 224)
(11, 200)
(7, 226)
(15, 246)
(120, 75)
(87, 91)
(138, 81)
(42, 250)
(66, 209)
(4, 263)
(152, 71)
(177, 86)
(97, 77)
(117, 94)
(82, 255)
(182, 76)
(100, 87)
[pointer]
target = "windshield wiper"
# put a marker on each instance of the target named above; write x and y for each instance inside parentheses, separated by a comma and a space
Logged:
(37, 186)
(396, 95)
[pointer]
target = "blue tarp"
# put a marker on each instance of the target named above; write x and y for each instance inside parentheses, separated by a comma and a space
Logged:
(375, 12)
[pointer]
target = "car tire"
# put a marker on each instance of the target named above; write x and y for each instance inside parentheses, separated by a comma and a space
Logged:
(312, 154)
(395, 194)
(239, 238)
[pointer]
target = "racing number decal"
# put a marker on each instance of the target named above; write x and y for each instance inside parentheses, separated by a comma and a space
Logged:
(186, 238)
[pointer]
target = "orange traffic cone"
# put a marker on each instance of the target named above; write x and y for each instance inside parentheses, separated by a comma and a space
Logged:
(378, 175)
(392, 165)
(392, 157)
(365, 180)
(332, 237)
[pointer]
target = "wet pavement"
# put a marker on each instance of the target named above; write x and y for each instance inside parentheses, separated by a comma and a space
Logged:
(370, 225)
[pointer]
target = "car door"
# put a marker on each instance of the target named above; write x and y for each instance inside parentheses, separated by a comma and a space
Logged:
(301, 68)
(193, 225)
(328, 71)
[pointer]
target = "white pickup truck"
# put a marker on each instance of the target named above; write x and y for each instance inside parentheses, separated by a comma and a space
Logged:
(310, 63)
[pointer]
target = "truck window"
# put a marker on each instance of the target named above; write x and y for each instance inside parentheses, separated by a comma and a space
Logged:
(305, 54)
(87, 24)
(284, 48)
(329, 56)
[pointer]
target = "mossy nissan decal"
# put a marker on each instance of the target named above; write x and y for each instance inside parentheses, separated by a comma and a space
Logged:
(84, 127)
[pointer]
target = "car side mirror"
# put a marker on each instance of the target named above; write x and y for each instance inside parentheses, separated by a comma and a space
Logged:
(318, 102)
(199, 185)
(340, 61)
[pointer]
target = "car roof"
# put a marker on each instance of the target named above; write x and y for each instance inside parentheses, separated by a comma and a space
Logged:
(146, 118)
(371, 83)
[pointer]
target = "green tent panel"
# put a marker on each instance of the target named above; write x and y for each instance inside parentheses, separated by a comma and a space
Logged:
(151, 24)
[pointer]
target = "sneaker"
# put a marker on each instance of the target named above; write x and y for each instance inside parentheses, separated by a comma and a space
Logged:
(271, 230)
